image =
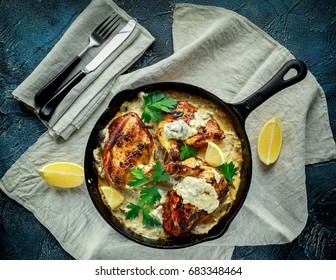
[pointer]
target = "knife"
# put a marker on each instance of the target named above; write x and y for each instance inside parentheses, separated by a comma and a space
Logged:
(49, 107)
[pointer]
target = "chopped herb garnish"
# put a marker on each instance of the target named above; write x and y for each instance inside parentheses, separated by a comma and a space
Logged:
(139, 178)
(147, 219)
(154, 104)
(149, 114)
(228, 170)
(133, 212)
(149, 196)
(187, 151)
(158, 174)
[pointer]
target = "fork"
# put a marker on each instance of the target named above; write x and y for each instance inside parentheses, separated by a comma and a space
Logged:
(97, 37)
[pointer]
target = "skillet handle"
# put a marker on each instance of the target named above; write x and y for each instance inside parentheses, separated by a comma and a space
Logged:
(274, 85)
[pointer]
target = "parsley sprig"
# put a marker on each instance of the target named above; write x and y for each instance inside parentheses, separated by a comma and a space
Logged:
(148, 195)
(154, 104)
(158, 174)
(139, 178)
(147, 219)
(187, 151)
(228, 170)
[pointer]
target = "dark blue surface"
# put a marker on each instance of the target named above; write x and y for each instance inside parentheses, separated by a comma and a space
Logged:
(29, 29)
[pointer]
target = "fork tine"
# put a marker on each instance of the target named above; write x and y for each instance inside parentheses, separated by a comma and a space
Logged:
(106, 24)
(111, 28)
(103, 22)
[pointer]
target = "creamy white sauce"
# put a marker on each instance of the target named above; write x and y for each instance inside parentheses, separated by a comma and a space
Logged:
(216, 175)
(197, 192)
(135, 106)
(200, 119)
(178, 130)
(98, 161)
(157, 212)
(106, 134)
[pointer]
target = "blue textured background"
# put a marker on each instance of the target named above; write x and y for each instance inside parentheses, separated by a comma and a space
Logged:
(29, 29)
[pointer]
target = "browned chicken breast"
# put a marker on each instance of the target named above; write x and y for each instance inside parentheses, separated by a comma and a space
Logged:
(183, 127)
(210, 133)
(179, 217)
(171, 146)
(129, 144)
(195, 167)
(183, 111)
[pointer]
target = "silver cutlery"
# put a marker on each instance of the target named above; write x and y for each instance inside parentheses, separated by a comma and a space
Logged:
(97, 37)
(47, 109)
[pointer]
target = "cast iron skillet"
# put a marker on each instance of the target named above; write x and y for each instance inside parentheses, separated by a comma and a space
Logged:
(237, 112)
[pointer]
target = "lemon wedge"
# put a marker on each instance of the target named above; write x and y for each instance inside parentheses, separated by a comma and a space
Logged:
(112, 197)
(62, 174)
(270, 141)
(214, 156)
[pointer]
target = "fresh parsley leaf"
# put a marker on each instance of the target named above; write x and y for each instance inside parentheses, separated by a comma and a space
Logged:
(151, 98)
(149, 196)
(154, 104)
(149, 220)
(158, 174)
(146, 115)
(151, 114)
(133, 212)
(187, 151)
(162, 102)
(139, 178)
(228, 170)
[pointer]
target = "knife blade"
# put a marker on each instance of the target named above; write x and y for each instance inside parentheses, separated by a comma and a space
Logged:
(49, 107)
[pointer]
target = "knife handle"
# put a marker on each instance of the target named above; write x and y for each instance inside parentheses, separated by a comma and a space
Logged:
(49, 90)
(47, 109)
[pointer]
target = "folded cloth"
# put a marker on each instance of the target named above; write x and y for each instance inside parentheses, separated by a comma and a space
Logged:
(226, 54)
(88, 95)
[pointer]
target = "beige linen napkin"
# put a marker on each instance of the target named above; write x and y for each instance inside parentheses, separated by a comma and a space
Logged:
(88, 95)
(226, 54)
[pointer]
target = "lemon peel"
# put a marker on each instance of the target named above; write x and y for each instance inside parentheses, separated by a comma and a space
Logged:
(112, 197)
(62, 174)
(270, 141)
(214, 156)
